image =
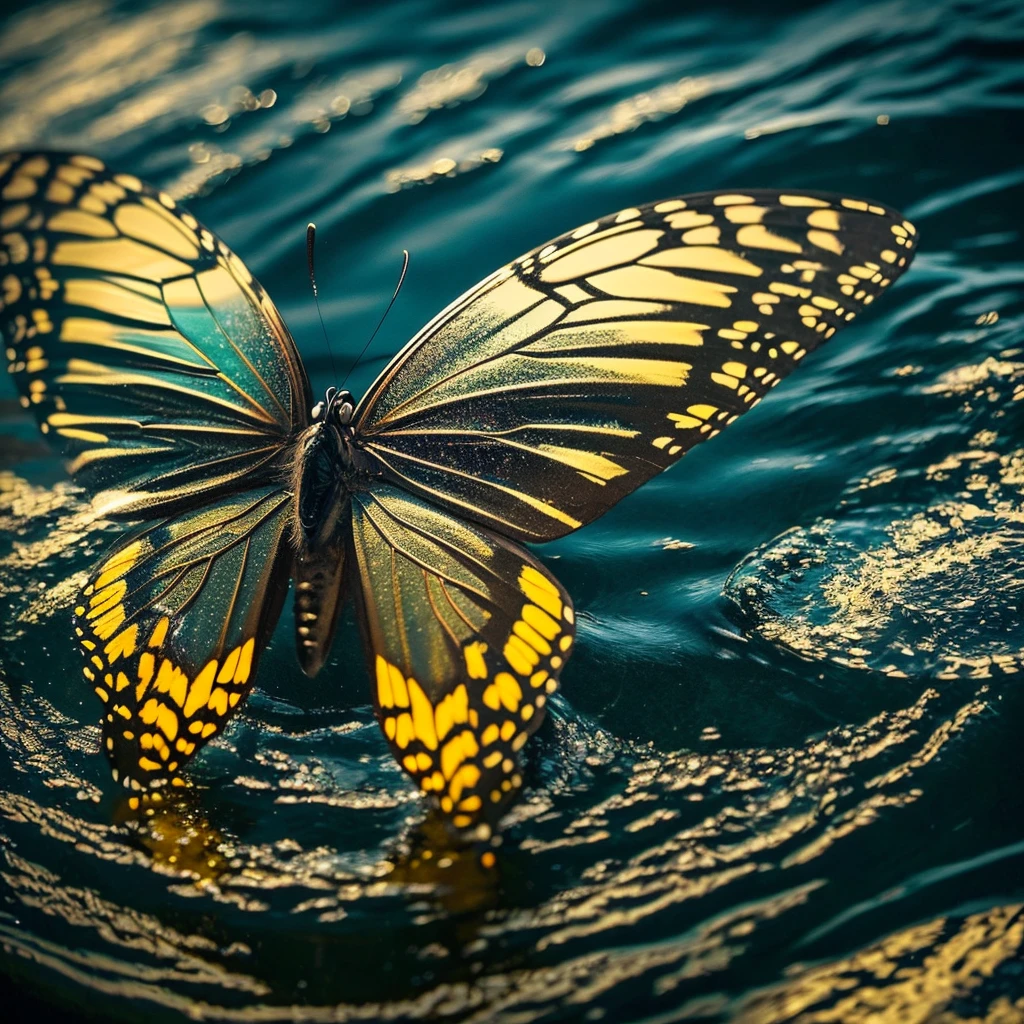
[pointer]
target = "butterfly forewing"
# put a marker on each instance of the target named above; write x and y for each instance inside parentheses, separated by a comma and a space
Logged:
(570, 377)
(466, 635)
(173, 622)
(146, 350)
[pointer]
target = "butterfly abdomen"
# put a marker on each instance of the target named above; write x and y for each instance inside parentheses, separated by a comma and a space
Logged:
(323, 466)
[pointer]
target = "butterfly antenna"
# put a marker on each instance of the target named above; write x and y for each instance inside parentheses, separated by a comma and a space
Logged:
(310, 240)
(398, 288)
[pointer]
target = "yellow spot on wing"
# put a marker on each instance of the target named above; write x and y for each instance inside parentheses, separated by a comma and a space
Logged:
(540, 621)
(90, 162)
(78, 223)
(119, 255)
(199, 691)
(398, 688)
(794, 291)
(159, 633)
(385, 697)
(745, 214)
(520, 655)
(704, 258)
(123, 645)
(474, 655)
(689, 219)
(167, 721)
(702, 236)
(573, 293)
(607, 252)
(404, 732)
(105, 599)
(639, 282)
(118, 564)
(540, 591)
(509, 690)
(465, 778)
(422, 716)
(218, 702)
(825, 240)
(532, 637)
(146, 665)
(605, 309)
(801, 201)
(759, 237)
(826, 219)
(108, 297)
(586, 462)
(245, 661)
(19, 187)
(227, 670)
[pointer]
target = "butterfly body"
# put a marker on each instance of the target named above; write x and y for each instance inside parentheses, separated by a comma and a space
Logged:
(327, 466)
(163, 372)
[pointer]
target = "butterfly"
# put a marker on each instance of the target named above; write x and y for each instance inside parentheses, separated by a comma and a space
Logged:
(162, 371)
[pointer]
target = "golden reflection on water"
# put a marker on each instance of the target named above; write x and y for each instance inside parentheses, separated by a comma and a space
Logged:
(941, 595)
(916, 976)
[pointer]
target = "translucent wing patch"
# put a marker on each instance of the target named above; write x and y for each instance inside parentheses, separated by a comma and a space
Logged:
(146, 350)
(172, 624)
(466, 635)
(568, 378)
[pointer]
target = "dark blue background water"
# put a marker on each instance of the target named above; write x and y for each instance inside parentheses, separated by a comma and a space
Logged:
(783, 778)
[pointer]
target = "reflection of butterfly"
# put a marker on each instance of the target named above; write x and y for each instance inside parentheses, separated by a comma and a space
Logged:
(524, 410)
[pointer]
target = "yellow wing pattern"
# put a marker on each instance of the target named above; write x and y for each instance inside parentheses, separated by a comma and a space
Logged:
(571, 376)
(466, 635)
(172, 624)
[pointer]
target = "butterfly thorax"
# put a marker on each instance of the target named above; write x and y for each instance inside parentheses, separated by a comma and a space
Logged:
(328, 465)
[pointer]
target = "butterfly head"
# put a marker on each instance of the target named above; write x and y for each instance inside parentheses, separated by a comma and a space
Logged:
(337, 407)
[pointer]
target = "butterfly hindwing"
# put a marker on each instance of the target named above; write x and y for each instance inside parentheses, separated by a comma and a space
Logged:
(148, 353)
(466, 635)
(571, 376)
(172, 623)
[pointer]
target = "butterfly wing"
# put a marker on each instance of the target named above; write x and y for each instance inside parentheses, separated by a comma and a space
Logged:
(146, 350)
(160, 368)
(172, 624)
(568, 378)
(466, 635)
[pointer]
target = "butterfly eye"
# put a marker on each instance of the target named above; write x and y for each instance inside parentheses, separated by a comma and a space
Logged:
(343, 411)
(317, 412)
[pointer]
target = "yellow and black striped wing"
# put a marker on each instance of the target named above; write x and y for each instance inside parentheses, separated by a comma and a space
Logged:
(571, 376)
(172, 624)
(466, 635)
(146, 350)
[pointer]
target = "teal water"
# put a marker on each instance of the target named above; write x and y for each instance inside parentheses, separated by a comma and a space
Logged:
(781, 781)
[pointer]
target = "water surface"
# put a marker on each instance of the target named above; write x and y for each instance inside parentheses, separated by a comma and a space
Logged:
(781, 781)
